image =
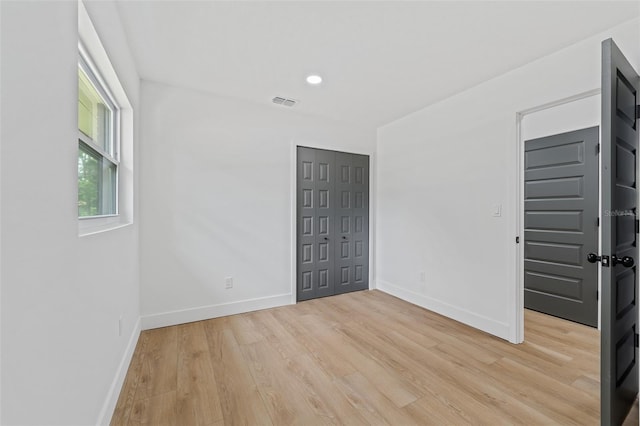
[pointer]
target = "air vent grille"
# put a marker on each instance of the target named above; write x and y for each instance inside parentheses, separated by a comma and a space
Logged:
(284, 101)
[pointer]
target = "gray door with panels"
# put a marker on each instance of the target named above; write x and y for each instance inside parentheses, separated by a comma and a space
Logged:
(352, 222)
(332, 223)
(561, 213)
(619, 332)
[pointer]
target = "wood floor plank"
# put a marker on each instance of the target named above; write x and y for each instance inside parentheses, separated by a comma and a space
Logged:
(587, 384)
(158, 372)
(396, 388)
(308, 335)
(281, 391)
(327, 400)
(431, 372)
(434, 412)
(547, 395)
(371, 403)
(357, 359)
(197, 398)
(240, 399)
(126, 400)
(274, 332)
(158, 410)
(244, 329)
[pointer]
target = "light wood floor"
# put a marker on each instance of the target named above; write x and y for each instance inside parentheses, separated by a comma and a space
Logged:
(360, 358)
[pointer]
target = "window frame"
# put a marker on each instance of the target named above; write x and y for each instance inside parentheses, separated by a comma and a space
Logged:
(86, 66)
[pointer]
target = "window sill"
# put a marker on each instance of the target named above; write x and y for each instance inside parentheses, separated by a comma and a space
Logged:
(98, 225)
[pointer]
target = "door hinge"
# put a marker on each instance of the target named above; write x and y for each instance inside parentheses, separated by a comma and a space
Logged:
(637, 112)
(517, 240)
(637, 226)
(597, 221)
(636, 339)
(597, 149)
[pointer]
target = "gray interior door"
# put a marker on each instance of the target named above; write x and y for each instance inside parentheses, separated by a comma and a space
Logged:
(332, 223)
(315, 223)
(561, 213)
(352, 219)
(619, 353)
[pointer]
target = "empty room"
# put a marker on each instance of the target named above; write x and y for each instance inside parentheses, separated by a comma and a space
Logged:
(319, 212)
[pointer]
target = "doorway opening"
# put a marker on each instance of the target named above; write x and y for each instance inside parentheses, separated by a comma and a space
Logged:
(558, 226)
(561, 209)
(618, 232)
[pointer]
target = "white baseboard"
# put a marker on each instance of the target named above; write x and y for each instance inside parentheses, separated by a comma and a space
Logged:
(471, 319)
(116, 386)
(183, 316)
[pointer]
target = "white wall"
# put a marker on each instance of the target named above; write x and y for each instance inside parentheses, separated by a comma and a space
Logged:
(62, 295)
(217, 198)
(442, 169)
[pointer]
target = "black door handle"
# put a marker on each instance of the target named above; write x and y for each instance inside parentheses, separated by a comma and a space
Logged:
(593, 258)
(626, 261)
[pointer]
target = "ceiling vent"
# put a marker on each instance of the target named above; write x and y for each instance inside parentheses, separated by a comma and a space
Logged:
(284, 101)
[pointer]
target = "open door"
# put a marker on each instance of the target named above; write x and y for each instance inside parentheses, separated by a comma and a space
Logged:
(619, 352)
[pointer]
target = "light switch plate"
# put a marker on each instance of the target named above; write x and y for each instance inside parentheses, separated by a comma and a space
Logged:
(497, 210)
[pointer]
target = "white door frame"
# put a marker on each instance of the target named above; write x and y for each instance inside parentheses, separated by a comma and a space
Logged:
(518, 305)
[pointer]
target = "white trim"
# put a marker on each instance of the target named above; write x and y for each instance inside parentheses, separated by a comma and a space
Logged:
(99, 228)
(109, 406)
(491, 326)
(294, 221)
(98, 61)
(89, 41)
(517, 315)
(563, 101)
(201, 313)
(373, 160)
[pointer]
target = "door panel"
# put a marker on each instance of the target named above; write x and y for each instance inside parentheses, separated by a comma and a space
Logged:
(619, 354)
(333, 223)
(352, 240)
(315, 222)
(561, 209)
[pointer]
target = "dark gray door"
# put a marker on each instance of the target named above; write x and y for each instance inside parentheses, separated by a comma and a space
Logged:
(561, 213)
(332, 223)
(315, 223)
(619, 353)
(352, 219)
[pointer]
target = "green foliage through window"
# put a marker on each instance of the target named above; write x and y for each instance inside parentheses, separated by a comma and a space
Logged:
(97, 167)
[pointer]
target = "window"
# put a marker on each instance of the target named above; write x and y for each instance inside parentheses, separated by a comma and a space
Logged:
(98, 145)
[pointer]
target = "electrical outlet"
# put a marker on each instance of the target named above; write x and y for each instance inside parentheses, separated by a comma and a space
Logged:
(423, 277)
(120, 326)
(228, 282)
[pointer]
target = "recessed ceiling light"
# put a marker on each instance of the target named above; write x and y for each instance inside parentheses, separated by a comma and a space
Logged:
(314, 79)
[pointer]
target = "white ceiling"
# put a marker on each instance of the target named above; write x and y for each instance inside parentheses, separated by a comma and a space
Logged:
(379, 60)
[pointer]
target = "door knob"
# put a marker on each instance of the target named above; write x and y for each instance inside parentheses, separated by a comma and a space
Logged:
(626, 261)
(326, 238)
(593, 258)
(344, 238)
